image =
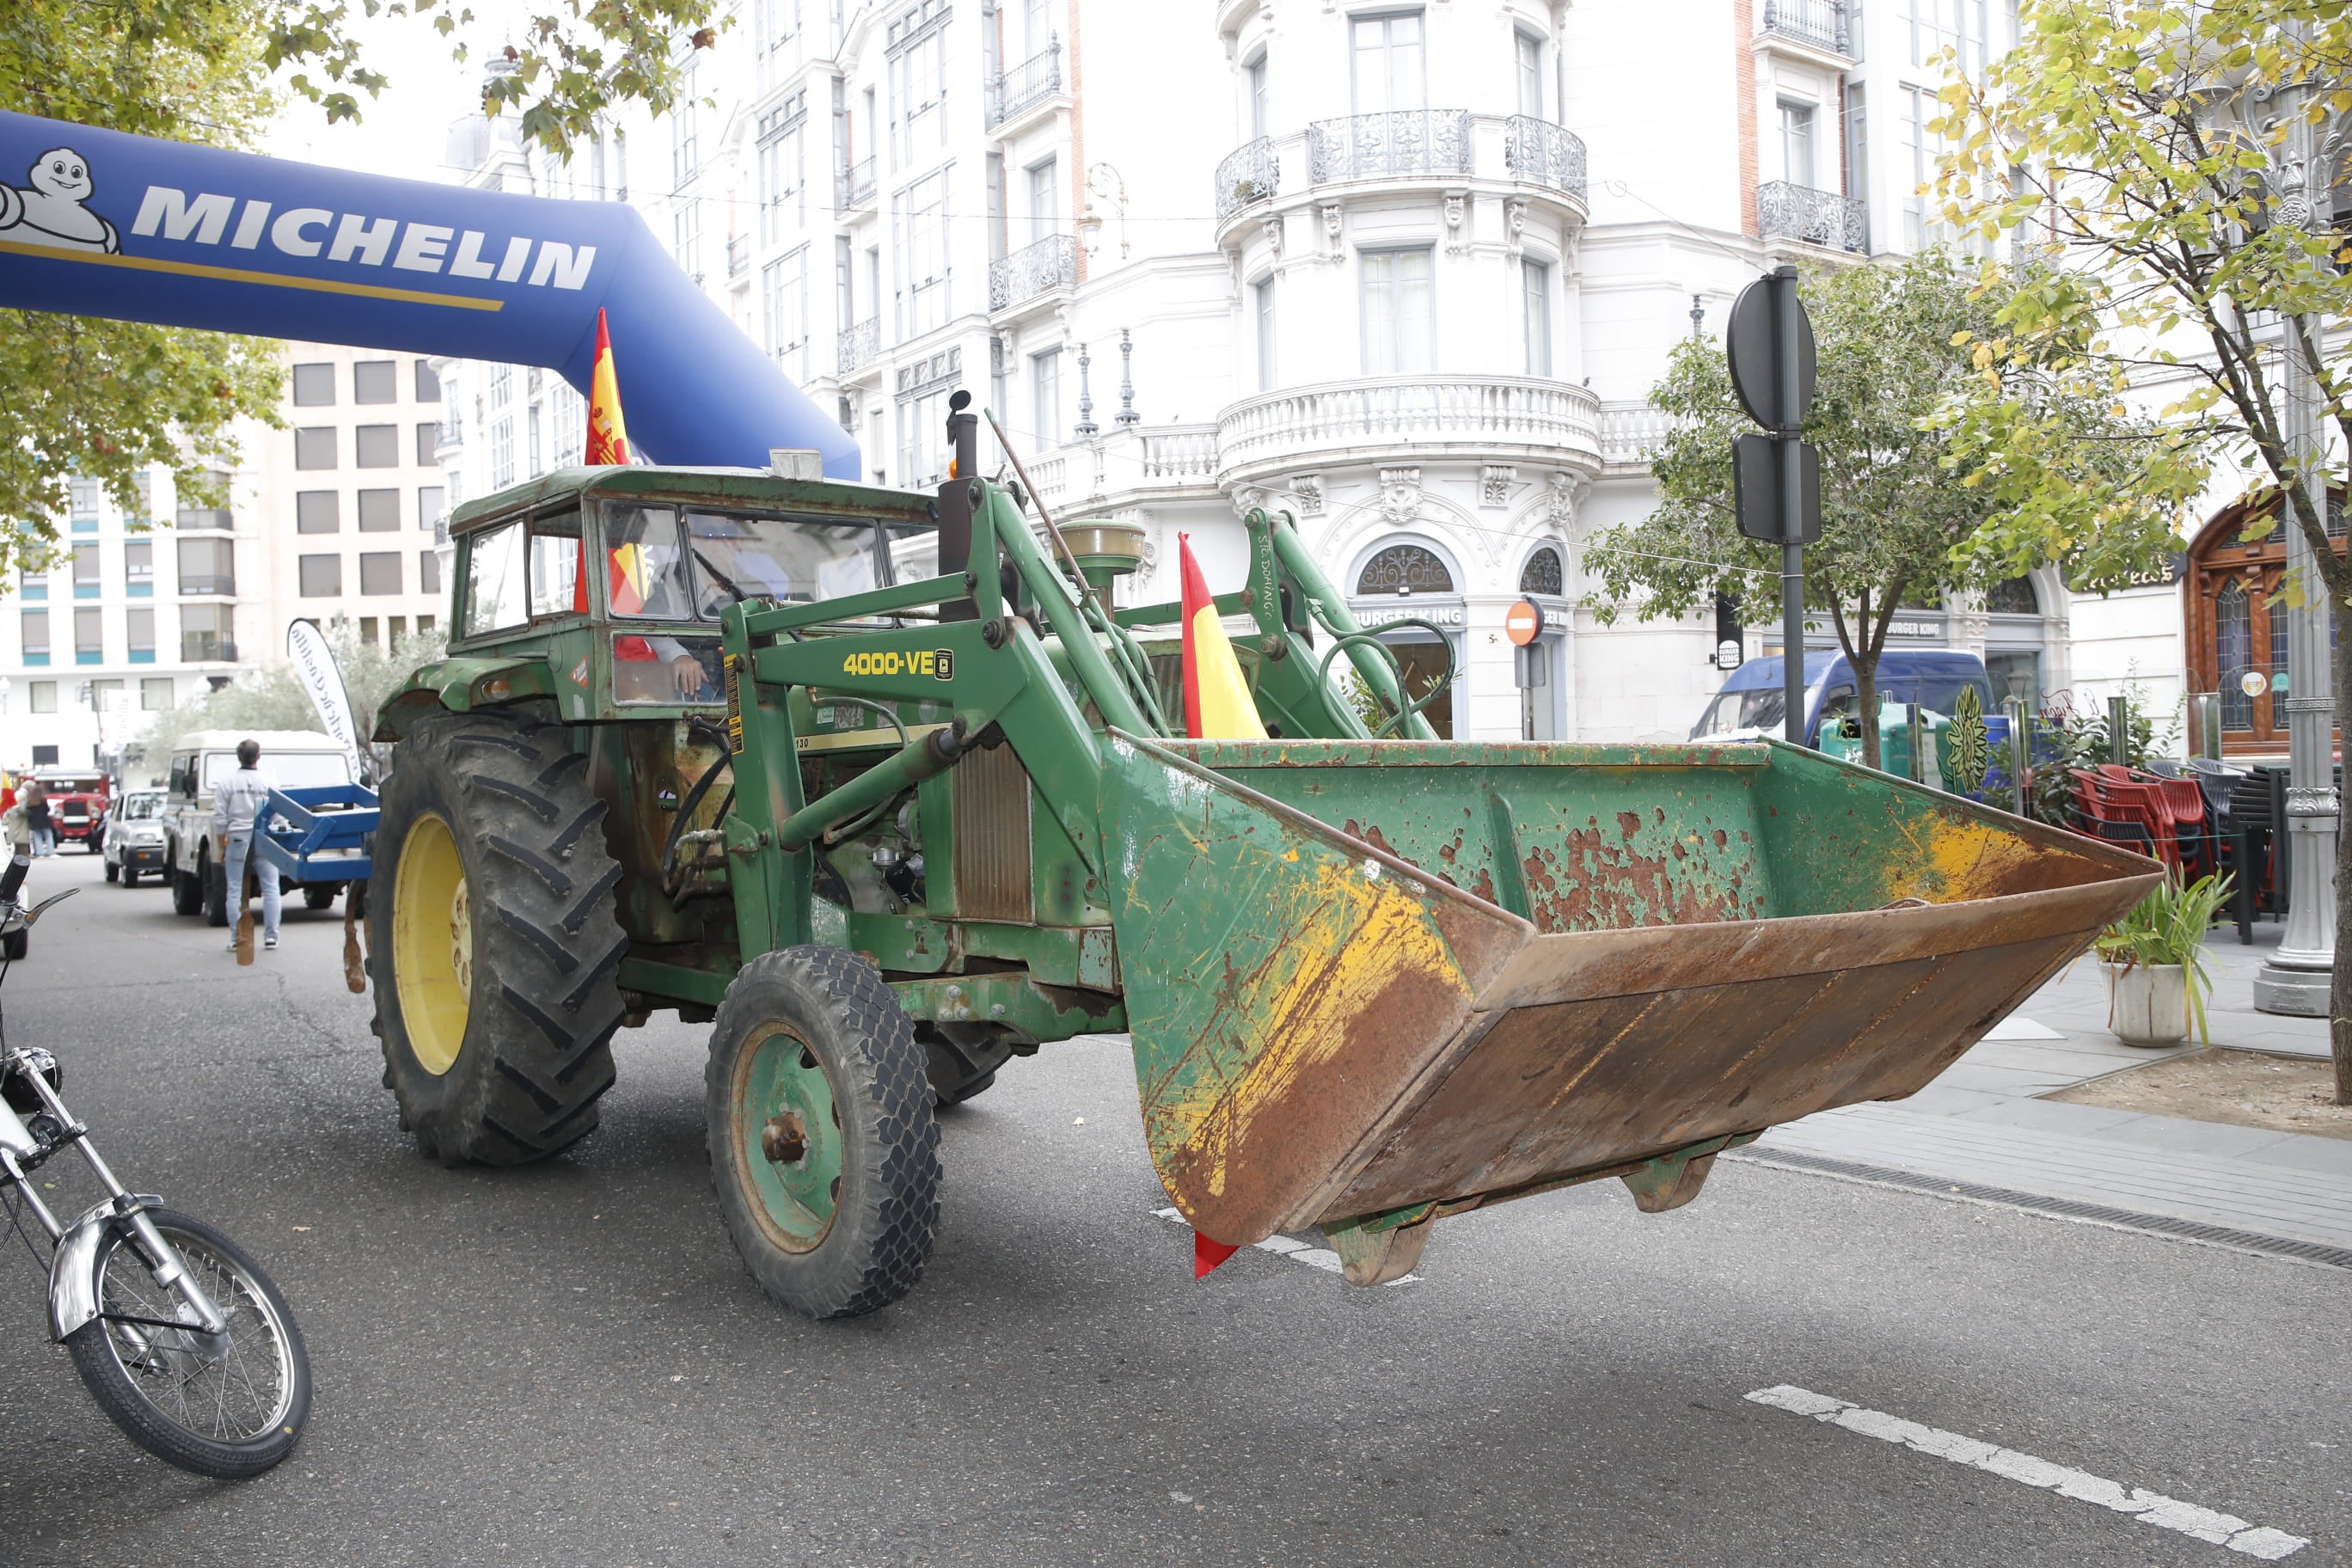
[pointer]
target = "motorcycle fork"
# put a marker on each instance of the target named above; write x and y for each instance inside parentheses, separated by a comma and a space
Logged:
(163, 1263)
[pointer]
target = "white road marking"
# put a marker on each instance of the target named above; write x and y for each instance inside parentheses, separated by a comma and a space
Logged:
(2152, 1508)
(1321, 1257)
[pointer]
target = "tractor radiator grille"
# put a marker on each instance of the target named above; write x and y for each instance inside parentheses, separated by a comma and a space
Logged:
(992, 836)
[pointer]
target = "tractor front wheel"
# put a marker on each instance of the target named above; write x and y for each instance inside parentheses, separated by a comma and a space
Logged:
(823, 1145)
(493, 944)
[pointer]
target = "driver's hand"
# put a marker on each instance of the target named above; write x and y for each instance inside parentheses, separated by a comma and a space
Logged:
(687, 672)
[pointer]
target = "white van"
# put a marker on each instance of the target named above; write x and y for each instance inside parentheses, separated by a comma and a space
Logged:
(192, 865)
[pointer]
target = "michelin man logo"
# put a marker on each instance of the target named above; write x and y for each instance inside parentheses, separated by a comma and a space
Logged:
(51, 212)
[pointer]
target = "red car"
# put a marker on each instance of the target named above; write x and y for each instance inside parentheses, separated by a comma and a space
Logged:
(78, 802)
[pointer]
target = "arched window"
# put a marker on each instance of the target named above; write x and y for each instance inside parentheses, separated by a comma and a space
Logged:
(1542, 574)
(1404, 569)
(2237, 617)
(2013, 597)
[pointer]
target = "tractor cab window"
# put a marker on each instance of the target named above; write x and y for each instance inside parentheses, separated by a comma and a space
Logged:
(494, 586)
(914, 552)
(556, 588)
(790, 560)
(645, 571)
(667, 670)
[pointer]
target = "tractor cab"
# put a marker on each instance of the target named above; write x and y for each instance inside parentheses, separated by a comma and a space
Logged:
(599, 590)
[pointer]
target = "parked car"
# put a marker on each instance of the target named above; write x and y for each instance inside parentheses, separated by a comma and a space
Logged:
(78, 801)
(1750, 704)
(133, 840)
(193, 860)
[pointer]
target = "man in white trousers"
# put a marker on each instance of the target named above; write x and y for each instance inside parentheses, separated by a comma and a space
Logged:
(236, 800)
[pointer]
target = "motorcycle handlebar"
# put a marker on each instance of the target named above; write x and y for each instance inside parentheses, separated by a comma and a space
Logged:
(13, 877)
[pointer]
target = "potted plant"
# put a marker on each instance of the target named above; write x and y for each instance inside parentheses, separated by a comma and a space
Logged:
(2155, 962)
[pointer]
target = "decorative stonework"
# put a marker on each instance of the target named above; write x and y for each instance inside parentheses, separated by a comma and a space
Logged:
(1495, 482)
(1514, 226)
(1271, 227)
(1401, 496)
(1307, 491)
(1456, 204)
(1332, 250)
(1564, 488)
(1248, 498)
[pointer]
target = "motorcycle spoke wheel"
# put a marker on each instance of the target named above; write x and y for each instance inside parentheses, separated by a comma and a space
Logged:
(230, 1407)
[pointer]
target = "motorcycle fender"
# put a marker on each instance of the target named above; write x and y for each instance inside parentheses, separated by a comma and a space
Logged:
(73, 1268)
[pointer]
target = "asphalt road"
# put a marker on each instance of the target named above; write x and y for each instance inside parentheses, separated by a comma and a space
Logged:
(566, 1365)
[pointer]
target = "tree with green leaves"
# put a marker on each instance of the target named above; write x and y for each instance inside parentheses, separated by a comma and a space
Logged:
(2177, 161)
(111, 400)
(272, 698)
(1898, 523)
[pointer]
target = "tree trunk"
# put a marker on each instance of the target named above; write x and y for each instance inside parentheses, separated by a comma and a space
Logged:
(2339, 995)
(1864, 660)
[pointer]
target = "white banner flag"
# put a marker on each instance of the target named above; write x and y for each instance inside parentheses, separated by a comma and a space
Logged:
(315, 667)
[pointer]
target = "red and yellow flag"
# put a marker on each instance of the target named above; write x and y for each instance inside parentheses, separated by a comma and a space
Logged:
(608, 433)
(1217, 702)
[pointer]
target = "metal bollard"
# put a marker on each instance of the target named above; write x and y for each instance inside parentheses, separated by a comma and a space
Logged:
(2118, 729)
(2021, 747)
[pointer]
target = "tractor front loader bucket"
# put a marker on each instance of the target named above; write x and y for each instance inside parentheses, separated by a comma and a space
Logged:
(1373, 982)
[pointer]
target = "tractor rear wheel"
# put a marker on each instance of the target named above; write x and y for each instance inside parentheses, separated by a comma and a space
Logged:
(823, 1145)
(493, 944)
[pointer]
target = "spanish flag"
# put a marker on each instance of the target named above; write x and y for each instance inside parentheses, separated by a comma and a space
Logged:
(1217, 703)
(608, 443)
(608, 433)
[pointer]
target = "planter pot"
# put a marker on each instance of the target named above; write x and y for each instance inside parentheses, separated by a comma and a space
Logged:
(2147, 1003)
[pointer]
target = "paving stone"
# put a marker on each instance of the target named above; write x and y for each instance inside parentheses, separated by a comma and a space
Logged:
(2222, 1138)
(2055, 1116)
(2303, 1152)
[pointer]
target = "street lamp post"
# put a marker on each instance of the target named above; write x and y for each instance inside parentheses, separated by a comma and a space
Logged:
(2296, 979)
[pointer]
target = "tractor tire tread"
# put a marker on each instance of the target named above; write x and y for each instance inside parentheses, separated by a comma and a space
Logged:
(537, 1053)
(882, 1231)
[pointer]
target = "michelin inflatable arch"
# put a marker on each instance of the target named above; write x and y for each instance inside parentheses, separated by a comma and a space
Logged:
(99, 223)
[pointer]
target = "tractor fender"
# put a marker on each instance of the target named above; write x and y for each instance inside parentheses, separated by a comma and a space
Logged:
(460, 685)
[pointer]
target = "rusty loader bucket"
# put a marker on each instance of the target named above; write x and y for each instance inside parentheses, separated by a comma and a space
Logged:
(1375, 982)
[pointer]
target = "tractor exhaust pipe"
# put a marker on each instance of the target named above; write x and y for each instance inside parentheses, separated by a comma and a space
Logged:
(955, 502)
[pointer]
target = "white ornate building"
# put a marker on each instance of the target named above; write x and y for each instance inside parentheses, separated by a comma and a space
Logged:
(1407, 269)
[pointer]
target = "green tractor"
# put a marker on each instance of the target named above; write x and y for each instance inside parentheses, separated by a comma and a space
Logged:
(880, 785)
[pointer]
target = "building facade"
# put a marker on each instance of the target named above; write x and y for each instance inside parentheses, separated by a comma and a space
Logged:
(1406, 269)
(331, 515)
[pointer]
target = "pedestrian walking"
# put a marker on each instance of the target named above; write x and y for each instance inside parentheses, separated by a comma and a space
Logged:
(38, 819)
(236, 801)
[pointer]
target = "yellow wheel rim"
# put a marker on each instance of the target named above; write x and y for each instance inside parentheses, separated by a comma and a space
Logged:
(432, 944)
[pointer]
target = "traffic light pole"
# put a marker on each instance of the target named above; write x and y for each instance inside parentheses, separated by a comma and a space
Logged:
(1789, 374)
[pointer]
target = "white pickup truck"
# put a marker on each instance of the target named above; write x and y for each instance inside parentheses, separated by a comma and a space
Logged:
(193, 864)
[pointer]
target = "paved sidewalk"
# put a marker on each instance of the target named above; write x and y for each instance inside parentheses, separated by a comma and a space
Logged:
(1984, 1122)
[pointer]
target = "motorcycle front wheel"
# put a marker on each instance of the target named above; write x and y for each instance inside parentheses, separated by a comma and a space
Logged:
(228, 1408)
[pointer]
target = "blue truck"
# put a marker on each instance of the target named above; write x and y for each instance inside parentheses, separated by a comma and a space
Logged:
(1751, 705)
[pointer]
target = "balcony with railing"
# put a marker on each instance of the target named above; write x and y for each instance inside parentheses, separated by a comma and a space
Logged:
(739, 255)
(1046, 268)
(853, 188)
(1378, 146)
(859, 344)
(1428, 415)
(1543, 154)
(1787, 211)
(1021, 88)
(204, 647)
(1251, 174)
(1823, 24)
(1449, 147)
